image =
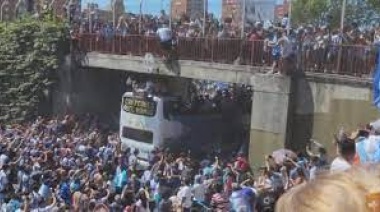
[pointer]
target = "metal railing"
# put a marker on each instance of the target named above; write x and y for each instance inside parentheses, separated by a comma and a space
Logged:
(356, 60)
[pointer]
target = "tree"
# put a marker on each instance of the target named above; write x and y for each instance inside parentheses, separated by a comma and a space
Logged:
(30, 53)
(308, 11)
(326, 12)
(375, 4)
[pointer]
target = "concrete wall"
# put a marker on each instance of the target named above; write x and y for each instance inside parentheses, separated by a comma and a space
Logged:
(269, 118)
(95, 91)
(323, 104)
(288, 112)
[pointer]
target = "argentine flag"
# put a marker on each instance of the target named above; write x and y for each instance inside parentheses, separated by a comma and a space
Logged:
(368, 149)
(376, 80)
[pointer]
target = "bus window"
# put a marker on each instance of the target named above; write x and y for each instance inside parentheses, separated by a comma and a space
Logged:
(138, 135)
(139, 106)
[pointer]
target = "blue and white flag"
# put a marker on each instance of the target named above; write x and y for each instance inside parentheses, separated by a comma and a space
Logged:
(368, 149)
(376, 80)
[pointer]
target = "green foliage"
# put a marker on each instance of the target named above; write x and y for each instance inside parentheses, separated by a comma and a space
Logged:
(309, 11)
(320, 12)
(30, 53)
(375, 4)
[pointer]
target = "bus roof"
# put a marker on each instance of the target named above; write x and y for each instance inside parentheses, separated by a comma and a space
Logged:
(156, 96)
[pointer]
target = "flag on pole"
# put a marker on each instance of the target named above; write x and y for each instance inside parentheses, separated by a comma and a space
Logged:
(376, 80)
(140, 15)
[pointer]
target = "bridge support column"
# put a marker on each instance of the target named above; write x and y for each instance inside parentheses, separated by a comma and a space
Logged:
(269, 119)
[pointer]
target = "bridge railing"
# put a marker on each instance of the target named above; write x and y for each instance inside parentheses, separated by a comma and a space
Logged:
(355, 60)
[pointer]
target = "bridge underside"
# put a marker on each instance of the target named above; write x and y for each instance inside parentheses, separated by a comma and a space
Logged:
(269, 114)
(187, 69)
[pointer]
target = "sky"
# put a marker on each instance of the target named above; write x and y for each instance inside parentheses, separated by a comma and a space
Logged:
(154, 6)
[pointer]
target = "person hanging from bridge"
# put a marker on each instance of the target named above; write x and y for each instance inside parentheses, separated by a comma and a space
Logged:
(165, 35)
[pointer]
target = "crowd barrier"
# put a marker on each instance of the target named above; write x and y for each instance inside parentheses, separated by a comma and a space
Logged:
(355, 60)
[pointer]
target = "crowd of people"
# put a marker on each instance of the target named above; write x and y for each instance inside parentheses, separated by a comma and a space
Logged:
(353, 183)
(72, 164)
(314, 47)
(76, 164)
(196, 27)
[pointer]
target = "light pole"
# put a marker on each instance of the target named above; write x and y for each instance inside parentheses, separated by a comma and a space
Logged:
(342, 15)
(51, 5)
(91, 13)
(243, 18)
(140, 18)
(289, 24)
(4, 8)
(72, 9)
(171, 14)
(205, 7)
(20, 8)
(113, 3)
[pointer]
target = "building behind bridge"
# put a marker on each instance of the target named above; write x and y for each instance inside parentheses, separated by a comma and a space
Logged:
(190, 8)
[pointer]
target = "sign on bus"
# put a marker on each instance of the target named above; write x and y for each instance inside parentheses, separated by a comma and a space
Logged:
(136, 106)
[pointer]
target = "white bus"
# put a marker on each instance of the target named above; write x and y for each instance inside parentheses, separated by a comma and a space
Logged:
(145, 124)
(162, 121)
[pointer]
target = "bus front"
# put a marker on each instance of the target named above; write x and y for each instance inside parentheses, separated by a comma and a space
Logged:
(139, 123)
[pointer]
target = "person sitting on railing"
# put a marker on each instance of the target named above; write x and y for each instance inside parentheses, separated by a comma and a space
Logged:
(149, 32)
(165, 35)
(192, 31)
(223, 33)
(273, 39)
(108, 31)
(122, 26)
(287, 53)
(181, 31)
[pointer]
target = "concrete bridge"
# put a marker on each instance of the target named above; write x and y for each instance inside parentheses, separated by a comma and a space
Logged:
(286, 110)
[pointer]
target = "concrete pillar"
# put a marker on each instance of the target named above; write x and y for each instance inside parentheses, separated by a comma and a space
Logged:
(269, 119)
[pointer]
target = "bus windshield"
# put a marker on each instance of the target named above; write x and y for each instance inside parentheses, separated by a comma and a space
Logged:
(137, 134)
(139, 106)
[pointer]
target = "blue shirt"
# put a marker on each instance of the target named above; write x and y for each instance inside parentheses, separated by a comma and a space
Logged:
(64, 192)
(242, 200)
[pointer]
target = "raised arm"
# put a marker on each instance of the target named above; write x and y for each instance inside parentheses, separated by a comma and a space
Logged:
(12, 163)
(53, 204)
(309, 152)
(216, 163)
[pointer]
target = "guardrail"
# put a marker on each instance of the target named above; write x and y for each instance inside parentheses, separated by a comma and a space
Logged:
(355, 60)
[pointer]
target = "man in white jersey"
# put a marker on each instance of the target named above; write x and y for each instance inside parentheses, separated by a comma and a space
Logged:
(285, 21)
(165, 35)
